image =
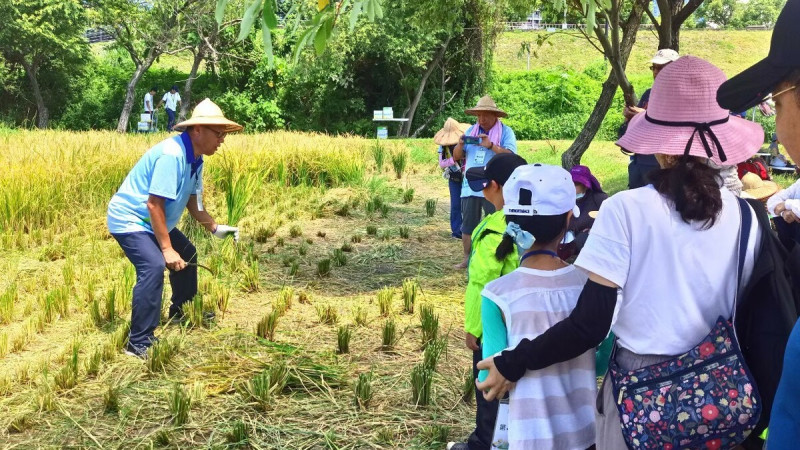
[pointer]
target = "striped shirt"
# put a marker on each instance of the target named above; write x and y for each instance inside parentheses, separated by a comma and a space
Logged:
(552, 408)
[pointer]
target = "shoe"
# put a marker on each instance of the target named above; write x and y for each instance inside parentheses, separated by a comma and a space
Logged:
(139, 351)
(178, 319)
(457, 446)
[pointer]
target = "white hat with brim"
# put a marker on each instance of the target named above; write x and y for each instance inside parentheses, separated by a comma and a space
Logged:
(450, 133)
(665, 56)
(486, 104)
(208, 113)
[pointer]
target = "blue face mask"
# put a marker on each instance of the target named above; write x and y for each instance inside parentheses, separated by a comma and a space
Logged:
(580, 196)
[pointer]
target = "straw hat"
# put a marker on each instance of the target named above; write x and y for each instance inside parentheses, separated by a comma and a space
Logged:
(486, 104)
(450, 133)
(683, 117)
(208, 113)
(757, 188)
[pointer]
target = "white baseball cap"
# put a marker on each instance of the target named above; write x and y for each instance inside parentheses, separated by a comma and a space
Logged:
(665, 56)
(539, 190)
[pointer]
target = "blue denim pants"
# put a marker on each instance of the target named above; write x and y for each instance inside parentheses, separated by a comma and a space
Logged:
(143, 251)
(171, 119)
(455, 208)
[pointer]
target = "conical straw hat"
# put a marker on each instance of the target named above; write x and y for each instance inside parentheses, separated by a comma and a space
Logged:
(208, 113)
(486, 104)
(450, 133)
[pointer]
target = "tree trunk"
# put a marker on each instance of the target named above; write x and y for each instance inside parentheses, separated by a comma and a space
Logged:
(42, 113)
(412, 109)
(186, 100)
(130, 94)
(575, 151)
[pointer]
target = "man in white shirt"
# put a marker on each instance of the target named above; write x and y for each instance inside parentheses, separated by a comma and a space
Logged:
(171, 101)
(150, 105)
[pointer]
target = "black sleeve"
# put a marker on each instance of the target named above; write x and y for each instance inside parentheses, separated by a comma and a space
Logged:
(584, 329)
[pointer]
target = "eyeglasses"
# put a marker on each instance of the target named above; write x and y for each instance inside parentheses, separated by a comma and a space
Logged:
(783, 91)
(219, 134)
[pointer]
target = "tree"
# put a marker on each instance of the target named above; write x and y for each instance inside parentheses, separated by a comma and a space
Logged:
(673, 13)
(758, 12)
(719, 12)
(146, 30)
(43, 36)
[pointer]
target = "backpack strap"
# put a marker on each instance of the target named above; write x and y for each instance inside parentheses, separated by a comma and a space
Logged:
(744, 237)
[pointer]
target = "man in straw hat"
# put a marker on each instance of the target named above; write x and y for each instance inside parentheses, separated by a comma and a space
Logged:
(778, 74)
(493, 137)
(143, 214)
(446, 139)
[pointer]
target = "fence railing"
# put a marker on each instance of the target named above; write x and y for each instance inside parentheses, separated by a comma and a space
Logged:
(542, 26)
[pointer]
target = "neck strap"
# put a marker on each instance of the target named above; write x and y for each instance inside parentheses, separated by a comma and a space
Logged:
(538, 252)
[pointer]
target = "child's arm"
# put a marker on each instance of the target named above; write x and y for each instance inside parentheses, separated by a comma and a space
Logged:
(495, 334)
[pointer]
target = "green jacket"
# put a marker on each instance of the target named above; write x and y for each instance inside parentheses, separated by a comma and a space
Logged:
(484, 267)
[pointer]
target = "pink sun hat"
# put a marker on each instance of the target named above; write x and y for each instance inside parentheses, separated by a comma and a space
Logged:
(683, 117)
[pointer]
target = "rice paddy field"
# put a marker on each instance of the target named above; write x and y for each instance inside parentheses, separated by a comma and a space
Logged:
(338, 316)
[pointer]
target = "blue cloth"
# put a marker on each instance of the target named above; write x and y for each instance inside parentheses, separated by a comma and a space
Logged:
(784, 424)
(455, 208)
(477, 156)
(171, 118)
(143, 251)
(168, 170)
(495, 334)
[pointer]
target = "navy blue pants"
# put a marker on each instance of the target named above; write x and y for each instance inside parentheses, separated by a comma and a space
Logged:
(455, 208)
(143, 251)
(171, 119)
(485, 414)
(788, 233)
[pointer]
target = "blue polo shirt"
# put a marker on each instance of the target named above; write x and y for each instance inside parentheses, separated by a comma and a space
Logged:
(168, 170)
(477, 156)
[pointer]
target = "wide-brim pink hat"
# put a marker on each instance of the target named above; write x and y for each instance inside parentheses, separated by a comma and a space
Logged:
(683, 117)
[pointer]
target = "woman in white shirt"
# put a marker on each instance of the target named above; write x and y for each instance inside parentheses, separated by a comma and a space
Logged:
(670, 248)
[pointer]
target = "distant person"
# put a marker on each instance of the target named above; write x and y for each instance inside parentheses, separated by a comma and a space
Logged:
(486, 266)
(589, 196)
(447, 138)
(492, 137)
(779, 74)
(143, 216)
(171, 101)
(641, 165)
(149, 102)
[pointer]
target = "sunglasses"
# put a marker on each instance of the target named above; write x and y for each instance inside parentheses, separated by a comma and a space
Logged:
(783, 91)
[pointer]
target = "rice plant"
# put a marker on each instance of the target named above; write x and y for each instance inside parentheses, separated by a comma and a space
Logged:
(341, 211)
(468, 386)
(343, 335)
(356, 238)
(193, 312)
(20, 423)
(303, 298)
(338, 257)
(7, 301)
(421, 384)
(360, 316)
(399, 162)
(389, 335)
(430, 207)
(408, 195)
(285, 297)
(237, 436)
(327, 314)
(347, 247)
(280, 241)
(435, 435)
(223, 296)
(111, 398)
(294, 269)
(92, 365)
(302, 249)
(324, 267)
(259, 389)
(372, 230)
(163, 438)
(250, 277)
(363, 390)
(385, 235)
(429, 321)
(384, 210)
(263, 233)
(433, 351)
(179, 404)
(67, 377)
(111, 306)
(404, 231)
(309, 241)
(295, 231)
(379, 155)
(239, 191)
(410, 289)
(265, 328)
(385, 297)
(160, 354)
(3, 345)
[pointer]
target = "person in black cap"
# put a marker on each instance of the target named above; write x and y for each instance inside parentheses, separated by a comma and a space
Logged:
(778, 74)
(485, 267)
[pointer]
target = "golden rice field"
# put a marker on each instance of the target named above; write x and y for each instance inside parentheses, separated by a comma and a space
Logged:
(338, 314)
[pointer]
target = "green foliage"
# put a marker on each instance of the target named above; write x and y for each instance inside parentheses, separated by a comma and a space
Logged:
(421, 385)
(385, 296)
(429, 321)
(389, 335)
(343, 335)
(410, 290)
(363, 390)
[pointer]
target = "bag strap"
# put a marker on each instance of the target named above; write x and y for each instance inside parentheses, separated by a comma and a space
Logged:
(744, 237)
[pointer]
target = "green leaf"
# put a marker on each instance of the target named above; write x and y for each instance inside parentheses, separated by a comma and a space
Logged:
(248, 19)
(370, 10)
(302, 42)
(220, 13)
(320, 40)
(378, 9)
(270, 19)
(266, 36)
(355, 12)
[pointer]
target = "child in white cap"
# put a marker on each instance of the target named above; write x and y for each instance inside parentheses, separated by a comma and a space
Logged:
(553, 407)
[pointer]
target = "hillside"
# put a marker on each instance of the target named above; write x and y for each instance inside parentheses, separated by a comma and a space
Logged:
(731, 50)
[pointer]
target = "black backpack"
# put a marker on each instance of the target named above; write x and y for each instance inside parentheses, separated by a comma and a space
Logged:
(766, 312)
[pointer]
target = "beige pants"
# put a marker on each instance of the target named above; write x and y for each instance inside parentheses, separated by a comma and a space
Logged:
(608, 430)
